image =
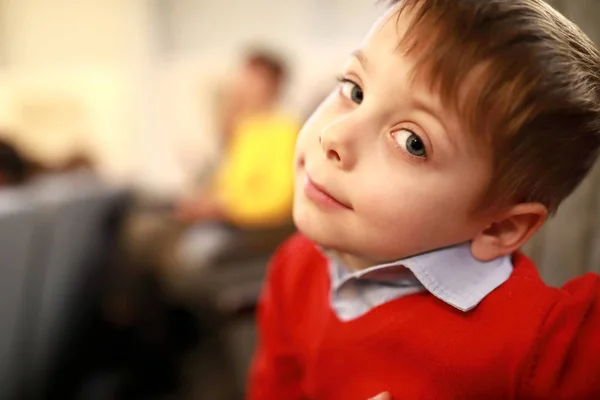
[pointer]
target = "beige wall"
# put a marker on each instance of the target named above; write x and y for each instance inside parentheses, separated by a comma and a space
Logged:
(138, 76)
(88, 75)
(64, 80)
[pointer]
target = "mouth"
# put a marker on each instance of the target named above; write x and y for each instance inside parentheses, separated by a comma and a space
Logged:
(319, 195)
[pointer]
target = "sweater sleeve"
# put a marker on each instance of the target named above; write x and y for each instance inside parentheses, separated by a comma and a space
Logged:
(564, 363)
(276, 372)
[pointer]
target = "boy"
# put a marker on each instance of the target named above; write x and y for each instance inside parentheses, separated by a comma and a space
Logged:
(457, 127)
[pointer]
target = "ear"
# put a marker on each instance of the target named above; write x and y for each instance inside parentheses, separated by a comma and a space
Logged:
(510, 230)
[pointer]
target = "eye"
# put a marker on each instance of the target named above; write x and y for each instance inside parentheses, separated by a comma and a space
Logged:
(409, 140)
(351, 90)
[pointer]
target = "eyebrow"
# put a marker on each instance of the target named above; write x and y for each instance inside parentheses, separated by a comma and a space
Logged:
(362, 59)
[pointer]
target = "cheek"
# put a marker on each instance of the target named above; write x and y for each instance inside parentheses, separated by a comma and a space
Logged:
(410, 220)
(415, 204)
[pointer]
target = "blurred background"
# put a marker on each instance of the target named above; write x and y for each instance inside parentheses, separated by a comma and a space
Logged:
(145, 179)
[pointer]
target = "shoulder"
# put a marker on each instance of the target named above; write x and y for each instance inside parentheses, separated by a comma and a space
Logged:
(291, 258)
(297, 259)
(526, 286)
(297, 244)
(563, 359)
(296, 268)
(524, 310)
(525, 295)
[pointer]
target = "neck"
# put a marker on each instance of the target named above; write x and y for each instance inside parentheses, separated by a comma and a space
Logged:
(261, 107)
(354, 262)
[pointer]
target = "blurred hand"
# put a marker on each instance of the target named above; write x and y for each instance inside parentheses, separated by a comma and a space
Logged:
(188, 210)
(198, 209)
(382, 396)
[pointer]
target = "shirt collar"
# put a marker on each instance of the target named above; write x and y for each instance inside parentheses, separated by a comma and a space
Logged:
(451, 274)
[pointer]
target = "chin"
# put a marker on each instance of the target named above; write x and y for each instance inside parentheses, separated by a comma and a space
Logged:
(318, 228)
(340, 234)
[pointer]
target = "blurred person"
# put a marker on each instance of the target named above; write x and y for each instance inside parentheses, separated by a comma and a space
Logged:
(456, 129)
(253, 187)
(248, 200)
(246, 209)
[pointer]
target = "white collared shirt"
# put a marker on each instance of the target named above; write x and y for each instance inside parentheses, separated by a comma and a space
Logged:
(451, 274)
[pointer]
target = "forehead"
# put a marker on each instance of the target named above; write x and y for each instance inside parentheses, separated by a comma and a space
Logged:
(385, 35)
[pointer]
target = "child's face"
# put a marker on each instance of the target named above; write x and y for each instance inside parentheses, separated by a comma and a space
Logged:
(405, 175)
(256, 88)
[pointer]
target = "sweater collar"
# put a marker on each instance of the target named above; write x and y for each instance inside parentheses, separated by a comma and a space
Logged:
(451, 274)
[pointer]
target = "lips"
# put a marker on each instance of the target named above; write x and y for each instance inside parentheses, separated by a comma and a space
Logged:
(318, 194)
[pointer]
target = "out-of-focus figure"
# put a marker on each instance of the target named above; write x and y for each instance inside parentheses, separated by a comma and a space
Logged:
(244, 210)
(253, 186)
(247, 203)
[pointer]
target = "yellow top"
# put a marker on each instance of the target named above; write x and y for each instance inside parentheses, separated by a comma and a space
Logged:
(255, 184)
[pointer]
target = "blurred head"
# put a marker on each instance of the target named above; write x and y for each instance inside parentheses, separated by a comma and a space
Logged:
(455, 121)
(261, 80)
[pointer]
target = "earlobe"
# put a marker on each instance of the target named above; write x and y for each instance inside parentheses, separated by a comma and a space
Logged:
(509, 231)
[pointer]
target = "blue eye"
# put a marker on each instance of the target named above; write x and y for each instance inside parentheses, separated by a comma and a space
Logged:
(351, 91)
(409, 141)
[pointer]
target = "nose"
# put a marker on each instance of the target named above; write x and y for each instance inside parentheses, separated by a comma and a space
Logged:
(337, 142)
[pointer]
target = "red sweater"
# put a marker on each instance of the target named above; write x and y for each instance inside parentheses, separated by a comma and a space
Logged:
(523, 341)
